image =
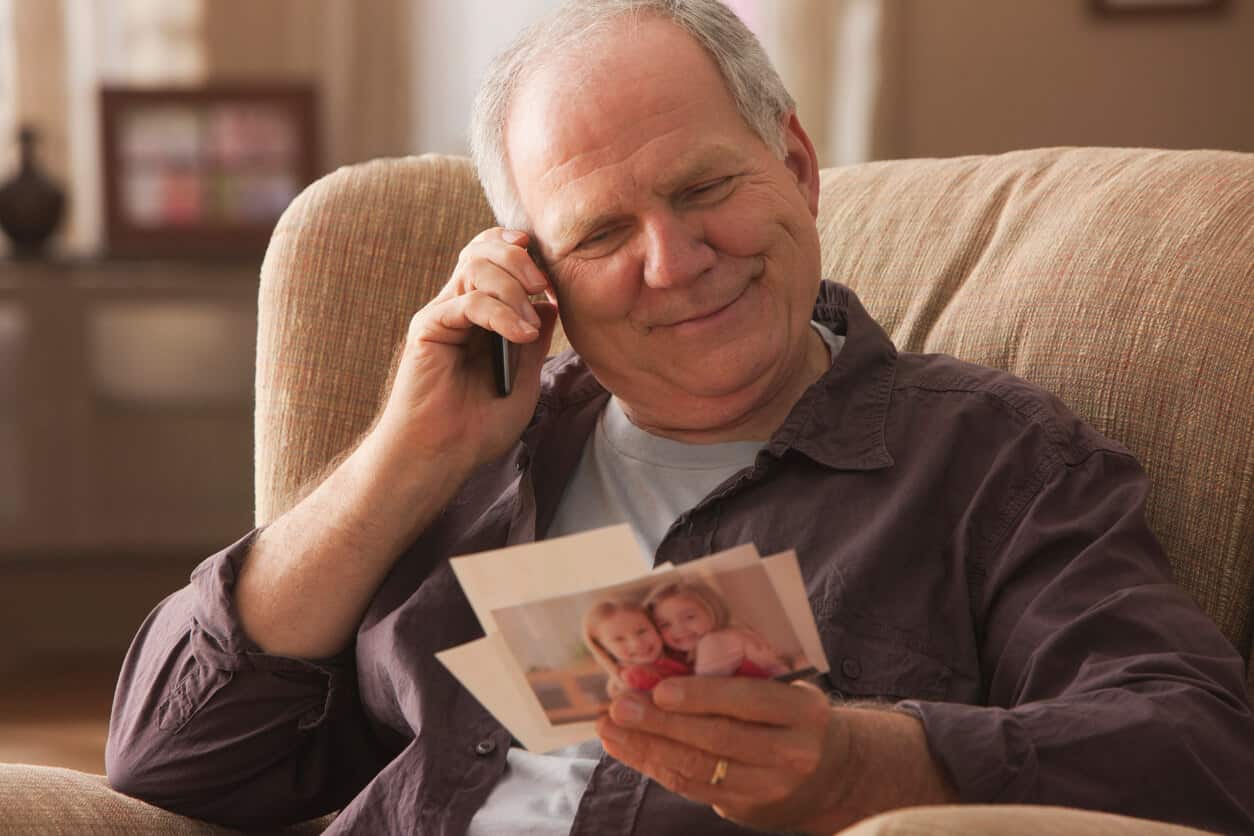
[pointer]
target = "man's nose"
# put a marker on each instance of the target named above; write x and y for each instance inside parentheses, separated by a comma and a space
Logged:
(676, 252)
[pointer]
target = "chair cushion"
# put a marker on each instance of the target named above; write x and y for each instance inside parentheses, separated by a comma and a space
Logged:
(1009, 820)
(1122, 280)
(47, 800)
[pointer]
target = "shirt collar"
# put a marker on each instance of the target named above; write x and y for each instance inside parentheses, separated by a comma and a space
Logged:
(839, 421)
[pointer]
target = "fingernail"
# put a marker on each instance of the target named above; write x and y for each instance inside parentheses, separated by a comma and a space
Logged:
(528, 329)
(668, 692)
(529, 314)
(627, 710)
(513, 236)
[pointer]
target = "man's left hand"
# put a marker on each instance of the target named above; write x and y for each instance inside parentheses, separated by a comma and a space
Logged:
(785, 748)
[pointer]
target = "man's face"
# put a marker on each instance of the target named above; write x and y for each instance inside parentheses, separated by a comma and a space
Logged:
(683, 252)
(682, 621)
(630, 637)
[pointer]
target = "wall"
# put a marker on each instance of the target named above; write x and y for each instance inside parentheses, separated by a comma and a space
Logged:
(357, 52)
(67, 608)
(957, 76)
(971, 76)
(455, 42)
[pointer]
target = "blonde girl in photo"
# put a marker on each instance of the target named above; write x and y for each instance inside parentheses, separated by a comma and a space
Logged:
(623, 640)
(694, 622)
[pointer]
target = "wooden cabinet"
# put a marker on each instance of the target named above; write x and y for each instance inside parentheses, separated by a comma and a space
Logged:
(125, 406)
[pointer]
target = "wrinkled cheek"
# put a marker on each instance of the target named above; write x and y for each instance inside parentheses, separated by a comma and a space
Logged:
(742, 234)
(603, 291)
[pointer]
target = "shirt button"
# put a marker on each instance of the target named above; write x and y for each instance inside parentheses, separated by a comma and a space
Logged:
(851, 668)
(485, 747)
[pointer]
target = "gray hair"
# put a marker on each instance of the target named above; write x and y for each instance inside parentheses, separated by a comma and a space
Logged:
(754, 85)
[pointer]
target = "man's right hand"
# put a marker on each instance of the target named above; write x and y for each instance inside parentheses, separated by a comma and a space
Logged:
(443, 403)
(308, 578)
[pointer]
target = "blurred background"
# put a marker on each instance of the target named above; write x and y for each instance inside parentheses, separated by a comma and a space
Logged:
(147, 146)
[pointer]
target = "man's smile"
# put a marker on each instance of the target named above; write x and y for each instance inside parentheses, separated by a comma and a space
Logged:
(711, 312)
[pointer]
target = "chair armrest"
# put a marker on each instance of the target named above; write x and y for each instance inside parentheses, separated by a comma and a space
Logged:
(45, 799)
(1009, 820)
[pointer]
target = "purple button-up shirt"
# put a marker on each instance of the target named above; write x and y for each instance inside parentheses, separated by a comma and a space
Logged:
(971, 550)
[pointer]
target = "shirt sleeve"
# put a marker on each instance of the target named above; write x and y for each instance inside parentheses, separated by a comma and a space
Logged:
(1107, 687)
(206, 724)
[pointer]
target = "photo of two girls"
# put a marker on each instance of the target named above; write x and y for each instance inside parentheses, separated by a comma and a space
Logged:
(579, 651)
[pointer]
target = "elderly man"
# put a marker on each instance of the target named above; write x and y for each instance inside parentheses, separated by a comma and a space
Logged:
(1000, 621)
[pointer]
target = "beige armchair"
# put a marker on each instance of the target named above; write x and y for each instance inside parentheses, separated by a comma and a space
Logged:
(1122, 280)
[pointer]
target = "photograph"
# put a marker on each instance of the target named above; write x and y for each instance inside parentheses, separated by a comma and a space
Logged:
(579, 651)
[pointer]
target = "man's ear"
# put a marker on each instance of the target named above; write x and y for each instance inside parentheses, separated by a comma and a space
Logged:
(802, 161)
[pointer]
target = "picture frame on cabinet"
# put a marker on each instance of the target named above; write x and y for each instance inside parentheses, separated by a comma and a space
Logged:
(203, 170)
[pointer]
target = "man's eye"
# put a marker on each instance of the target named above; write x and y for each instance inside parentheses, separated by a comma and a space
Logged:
(710, 188)
(599, 237)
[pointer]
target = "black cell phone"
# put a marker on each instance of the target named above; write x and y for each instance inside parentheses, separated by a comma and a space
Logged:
(502, 353)
(502, 365)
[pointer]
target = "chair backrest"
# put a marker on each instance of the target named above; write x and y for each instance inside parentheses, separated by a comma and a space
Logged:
(350, 261)
(1122, 280)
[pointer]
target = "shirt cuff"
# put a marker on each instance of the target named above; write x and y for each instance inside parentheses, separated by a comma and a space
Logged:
(218, 635)
(986, 752)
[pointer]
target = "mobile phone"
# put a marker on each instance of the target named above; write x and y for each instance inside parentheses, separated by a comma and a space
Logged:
(502, 349)
(502, 366)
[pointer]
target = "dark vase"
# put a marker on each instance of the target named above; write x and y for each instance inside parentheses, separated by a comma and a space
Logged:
(31, 204)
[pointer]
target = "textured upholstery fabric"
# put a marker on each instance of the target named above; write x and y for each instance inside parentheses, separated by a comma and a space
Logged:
(47, 801)
(349, 263)
(1009, 820)
(1122, 280)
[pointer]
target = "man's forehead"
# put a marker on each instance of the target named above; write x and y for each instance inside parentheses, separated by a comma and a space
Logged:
(603, 92)
(560, 113)
(661, 172)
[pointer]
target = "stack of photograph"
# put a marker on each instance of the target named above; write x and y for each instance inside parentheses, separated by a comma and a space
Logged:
(595, 634)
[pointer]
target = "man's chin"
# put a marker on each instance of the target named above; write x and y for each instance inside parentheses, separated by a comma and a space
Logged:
(719, 386)
(691, 412)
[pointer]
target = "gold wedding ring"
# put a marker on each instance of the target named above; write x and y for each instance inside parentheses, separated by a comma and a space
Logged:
(720, 772)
